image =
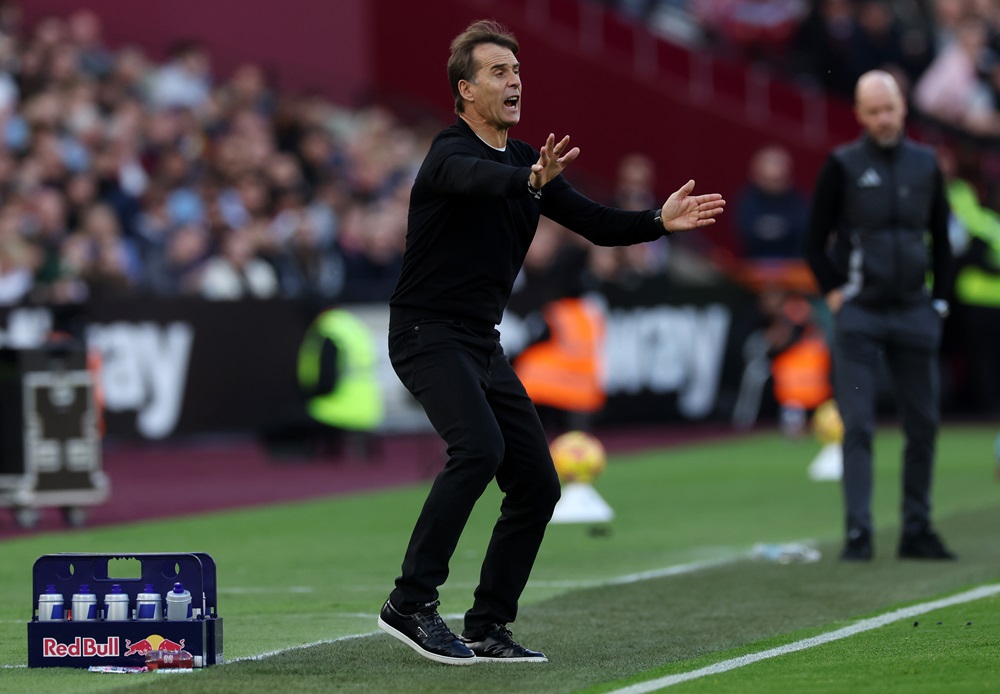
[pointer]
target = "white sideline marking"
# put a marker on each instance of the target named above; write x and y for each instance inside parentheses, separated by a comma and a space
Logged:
(856, 628)
(676, 570)
(279, 651)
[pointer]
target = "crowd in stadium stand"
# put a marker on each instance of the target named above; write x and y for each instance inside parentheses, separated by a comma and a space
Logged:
(946, 53)
(124, 176)
(121, 176)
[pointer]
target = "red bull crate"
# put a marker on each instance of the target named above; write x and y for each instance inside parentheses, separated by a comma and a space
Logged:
(58, 638)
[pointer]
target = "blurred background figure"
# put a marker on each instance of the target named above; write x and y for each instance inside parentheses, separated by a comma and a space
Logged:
(975, 235)
(554, 336)
(952, 89)
(771, 211)
(635, 185)
(236, 272)
(789, 349)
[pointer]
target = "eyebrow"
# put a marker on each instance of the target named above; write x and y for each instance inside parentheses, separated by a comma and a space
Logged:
(504, 65)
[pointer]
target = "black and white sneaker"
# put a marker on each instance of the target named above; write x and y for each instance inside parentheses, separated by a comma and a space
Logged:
(497, 645)
(426, 633)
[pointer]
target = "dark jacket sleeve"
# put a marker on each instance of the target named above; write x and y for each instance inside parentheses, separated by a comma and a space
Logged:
(456, 167)
(941, 257)
(599, 224)
(822, 220)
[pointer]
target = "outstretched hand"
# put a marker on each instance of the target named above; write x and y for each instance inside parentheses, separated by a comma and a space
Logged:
(683, 211)
(552, 159)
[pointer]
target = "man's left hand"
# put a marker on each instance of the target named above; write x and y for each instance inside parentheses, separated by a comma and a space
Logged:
(683, 211)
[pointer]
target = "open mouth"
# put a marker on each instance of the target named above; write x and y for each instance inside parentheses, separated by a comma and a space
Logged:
(512, 102)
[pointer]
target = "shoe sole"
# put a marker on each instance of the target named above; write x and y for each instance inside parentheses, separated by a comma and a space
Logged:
(445, 659)
(484, 659)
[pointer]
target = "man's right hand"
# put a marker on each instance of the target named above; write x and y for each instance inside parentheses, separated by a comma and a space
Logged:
(552, 159)
(834, 300)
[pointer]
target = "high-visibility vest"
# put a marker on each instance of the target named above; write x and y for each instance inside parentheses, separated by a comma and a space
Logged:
(564, 371)
(975, 285)
(355, 401)
(802, 373)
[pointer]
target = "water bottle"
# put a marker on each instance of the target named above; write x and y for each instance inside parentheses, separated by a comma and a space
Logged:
(148, 605)
(116, 605)
(51, 606)
(178, 603)
(792, 552)
(178, 660)
(84, 605)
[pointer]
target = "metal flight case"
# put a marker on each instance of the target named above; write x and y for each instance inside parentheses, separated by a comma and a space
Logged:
(50, 442)
(124, 643)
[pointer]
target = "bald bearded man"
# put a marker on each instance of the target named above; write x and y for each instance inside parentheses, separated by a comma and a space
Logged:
(879, 199)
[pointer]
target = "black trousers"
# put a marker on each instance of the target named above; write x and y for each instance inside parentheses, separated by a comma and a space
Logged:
(478, 406)
(909, 339)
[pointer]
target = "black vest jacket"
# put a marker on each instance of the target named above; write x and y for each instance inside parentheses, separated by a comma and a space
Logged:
(884, 220)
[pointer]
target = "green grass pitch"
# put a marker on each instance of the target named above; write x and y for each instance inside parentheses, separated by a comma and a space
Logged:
(317, 573)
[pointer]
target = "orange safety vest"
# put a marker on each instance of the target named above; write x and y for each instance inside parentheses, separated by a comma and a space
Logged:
(564, 371)
(802, 373)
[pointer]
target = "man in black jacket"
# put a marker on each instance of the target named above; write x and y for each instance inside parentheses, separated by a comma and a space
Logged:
(880, 198)
(474, 208)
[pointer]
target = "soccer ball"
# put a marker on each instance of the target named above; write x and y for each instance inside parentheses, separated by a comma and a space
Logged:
(827, 425)
(578, 457)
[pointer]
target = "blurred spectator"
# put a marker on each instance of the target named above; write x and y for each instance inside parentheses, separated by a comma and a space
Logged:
(882, 42)
(69, 284)
(946, 15)
(770, 211)
(176, 271)
(609, 265)
(185, 81)
(823, 43)
(302, 248)
(85, 34)
(634, 183)
(552, 270)
(46, 225)
(113, 266)
(951, 89)
(237, 273)
(552, 337)
(372, 246)
(977, 282)
(248, 89)
(758, 30)
(635, 190)
(18, 260)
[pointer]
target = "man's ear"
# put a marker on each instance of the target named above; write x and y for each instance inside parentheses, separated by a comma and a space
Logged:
(465, 90)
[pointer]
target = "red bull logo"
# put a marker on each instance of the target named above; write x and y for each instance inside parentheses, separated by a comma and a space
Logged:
(81, 647)
(168, 645)
(153, 642)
